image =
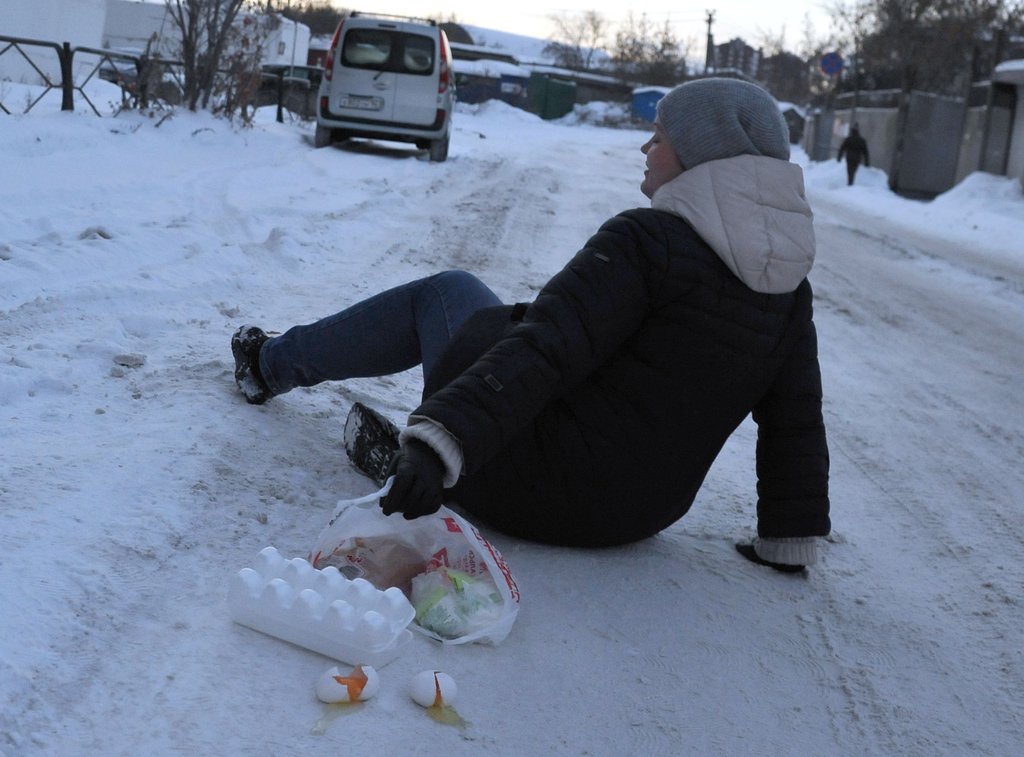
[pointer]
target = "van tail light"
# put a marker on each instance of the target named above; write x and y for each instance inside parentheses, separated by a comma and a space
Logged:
(446, 68)
(332, 52)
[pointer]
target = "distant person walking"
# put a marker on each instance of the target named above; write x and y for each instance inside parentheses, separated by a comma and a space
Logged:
(855, 149)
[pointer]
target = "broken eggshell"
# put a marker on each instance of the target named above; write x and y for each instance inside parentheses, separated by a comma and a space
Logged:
(432, 688)
(359, 685)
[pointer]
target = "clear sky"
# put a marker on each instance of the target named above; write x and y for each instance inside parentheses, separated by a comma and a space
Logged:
(749, 19)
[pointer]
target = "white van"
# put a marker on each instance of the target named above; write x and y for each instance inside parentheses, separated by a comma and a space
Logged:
(387, 77)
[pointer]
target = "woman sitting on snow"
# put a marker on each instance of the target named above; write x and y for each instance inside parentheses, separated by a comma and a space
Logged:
(591, 416)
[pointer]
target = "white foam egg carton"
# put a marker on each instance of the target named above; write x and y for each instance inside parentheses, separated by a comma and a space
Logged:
(347, 620)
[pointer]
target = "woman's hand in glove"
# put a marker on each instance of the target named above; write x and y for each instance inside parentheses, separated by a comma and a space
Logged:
(419, 476)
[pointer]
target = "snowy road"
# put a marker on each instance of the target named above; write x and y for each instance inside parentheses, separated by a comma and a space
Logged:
(922, 356)
(136, 481)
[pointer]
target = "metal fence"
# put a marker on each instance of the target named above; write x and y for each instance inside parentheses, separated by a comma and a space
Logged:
(291, 88)
(926, 143)
(144, 81)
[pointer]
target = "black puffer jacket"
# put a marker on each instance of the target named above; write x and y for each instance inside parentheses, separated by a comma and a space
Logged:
(595, 419)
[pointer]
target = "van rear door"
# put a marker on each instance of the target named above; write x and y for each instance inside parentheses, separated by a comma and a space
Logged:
(416, 82)
(365, 87)
(387, 75)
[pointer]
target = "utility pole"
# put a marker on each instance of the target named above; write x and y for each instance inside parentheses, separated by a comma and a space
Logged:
(708, 57)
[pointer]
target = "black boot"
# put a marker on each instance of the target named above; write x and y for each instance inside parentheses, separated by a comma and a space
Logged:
(747, 550)
(245, 346)
(371, 440)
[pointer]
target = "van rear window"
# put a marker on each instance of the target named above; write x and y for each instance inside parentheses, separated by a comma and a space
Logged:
(384, 50)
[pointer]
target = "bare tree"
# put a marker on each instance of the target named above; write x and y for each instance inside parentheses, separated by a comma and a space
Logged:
(321, 16)
(770, 42)
(240, 72)
(577, 39)
(648, 54)
(667, 65)
(930, 45)
(812, 49)
(206, 27)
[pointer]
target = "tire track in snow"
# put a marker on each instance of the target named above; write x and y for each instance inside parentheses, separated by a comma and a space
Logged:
(924, 423)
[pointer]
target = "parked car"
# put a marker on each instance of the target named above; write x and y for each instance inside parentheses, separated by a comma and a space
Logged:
(123, 67)
(301, 76)
(389, 78)
(293, 88)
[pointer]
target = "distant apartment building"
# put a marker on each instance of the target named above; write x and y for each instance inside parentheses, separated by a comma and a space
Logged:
(736, 56)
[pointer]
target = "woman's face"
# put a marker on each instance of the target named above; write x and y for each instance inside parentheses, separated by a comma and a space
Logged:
(662, 163)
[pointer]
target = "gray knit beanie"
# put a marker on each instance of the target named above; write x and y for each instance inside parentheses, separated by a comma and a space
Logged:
(712, 119)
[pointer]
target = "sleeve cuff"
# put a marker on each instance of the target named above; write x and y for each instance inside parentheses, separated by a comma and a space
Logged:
(801, 550)
(439, 439)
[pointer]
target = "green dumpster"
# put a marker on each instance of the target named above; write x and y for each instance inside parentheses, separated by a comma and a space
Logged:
(549, 97)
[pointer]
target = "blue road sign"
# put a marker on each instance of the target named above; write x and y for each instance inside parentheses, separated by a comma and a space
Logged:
(831, 63)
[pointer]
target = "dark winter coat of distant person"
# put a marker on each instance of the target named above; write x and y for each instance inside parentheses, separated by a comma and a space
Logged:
(856, 151)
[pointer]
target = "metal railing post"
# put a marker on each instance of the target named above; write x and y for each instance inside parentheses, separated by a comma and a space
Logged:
(280, 97)
(67, 79)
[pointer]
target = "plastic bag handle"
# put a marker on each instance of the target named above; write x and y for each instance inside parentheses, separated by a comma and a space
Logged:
(365, 503)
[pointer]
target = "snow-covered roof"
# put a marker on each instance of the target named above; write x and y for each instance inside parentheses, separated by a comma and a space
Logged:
(320, 42)
(493, 69)
(784, 106)
(517, 45)
(1010, 71)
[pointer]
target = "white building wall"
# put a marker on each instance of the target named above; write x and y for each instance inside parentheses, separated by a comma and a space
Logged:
(132, 23)
(78, 22)
(288, 44)
(110, 24)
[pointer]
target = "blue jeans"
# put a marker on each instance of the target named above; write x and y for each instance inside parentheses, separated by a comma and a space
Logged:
(390, 332)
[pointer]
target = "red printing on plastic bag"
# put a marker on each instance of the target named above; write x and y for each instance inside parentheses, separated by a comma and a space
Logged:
(502, 565)
(444, 541)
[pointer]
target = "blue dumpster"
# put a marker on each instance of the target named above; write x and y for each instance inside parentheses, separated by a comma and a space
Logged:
(645, 102)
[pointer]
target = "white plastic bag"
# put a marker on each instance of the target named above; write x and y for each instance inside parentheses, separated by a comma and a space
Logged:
(458, 582)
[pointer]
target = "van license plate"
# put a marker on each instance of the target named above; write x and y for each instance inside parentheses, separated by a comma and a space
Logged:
(361, 103)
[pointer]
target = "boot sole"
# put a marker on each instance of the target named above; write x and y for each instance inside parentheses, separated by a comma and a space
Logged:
(371, 440)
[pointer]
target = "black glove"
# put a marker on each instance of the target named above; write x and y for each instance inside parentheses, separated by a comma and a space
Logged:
(747, 550)
(419, 477)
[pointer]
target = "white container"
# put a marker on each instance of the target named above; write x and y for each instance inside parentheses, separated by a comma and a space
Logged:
(321, 610)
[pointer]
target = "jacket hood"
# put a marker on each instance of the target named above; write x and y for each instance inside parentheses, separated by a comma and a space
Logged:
(751, 210)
